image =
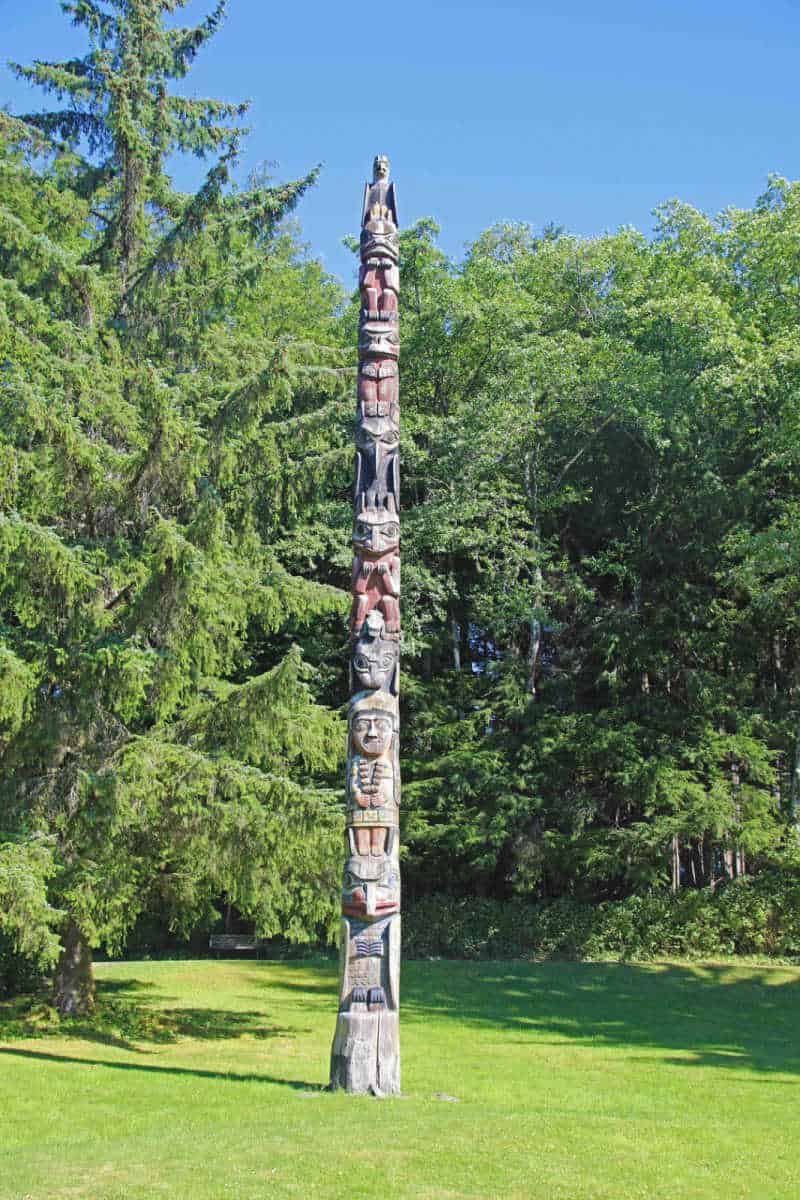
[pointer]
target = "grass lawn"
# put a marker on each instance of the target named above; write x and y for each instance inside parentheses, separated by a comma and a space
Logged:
(574, 1081)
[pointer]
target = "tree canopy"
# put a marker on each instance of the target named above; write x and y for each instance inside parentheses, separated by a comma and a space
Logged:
(161, 734)
(599, 547)
(600, 491)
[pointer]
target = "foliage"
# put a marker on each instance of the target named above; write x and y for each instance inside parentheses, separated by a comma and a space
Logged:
(27, 920)
(19, 973)
(160, 728)
(600, 449)
(600, 482)
(759, 916)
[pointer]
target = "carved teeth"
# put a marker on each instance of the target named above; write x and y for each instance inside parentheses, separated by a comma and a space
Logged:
(386, 315)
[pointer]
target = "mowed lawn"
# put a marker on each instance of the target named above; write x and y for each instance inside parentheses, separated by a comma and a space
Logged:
(205, 1079)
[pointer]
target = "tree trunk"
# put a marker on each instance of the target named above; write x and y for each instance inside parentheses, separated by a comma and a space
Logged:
(533, 651)
(455, 637)
(676, 863)
(794, 786)
(74, 982)
(535, 644)
(707, 850)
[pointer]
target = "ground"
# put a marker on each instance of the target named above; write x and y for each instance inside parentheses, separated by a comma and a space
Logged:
(572, 1081)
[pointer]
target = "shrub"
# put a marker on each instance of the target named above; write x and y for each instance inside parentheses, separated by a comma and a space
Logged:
(759, 915)
(18, 972)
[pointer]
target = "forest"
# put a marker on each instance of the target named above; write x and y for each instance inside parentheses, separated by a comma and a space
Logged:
(600, 468)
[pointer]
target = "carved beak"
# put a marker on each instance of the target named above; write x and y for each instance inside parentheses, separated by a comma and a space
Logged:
(369, 888)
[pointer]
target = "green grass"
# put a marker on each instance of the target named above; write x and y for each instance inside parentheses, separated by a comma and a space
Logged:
(574, 1082)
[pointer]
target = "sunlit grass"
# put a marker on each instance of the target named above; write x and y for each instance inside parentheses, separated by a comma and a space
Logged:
(204, 1079)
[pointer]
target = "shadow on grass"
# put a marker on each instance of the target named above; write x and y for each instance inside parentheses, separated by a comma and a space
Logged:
(723, 1016)
(123, 1021)
(720, 1016)
(710, 1015)
(298, 1085)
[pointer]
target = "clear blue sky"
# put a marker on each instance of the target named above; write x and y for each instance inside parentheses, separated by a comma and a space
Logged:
(586, 114)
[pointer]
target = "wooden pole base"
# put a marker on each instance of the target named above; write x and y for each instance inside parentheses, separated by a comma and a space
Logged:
(365, 1058)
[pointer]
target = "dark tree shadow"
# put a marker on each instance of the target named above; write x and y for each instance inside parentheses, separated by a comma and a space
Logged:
(710, 1013)
(121, 1019)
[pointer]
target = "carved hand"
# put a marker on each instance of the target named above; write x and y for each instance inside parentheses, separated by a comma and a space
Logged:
(393, 578)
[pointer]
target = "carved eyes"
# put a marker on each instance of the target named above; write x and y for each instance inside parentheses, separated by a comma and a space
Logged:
(361, 663)
(382, 725)
(366, 438)
(388, 531)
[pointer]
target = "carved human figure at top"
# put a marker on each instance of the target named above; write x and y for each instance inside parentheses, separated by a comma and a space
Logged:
(379, 277)
(380, 203)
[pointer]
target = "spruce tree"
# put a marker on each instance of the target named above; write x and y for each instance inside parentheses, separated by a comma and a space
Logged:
(162, 742)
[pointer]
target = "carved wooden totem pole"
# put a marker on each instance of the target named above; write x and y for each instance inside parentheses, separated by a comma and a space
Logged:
(366, 1046)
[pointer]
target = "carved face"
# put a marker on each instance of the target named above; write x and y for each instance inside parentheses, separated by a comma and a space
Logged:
(377, 532)
(380, 239)
(377, 431)
(380, 168)
(372, 733)
(370, 887)
(378, 341)
(374, 662)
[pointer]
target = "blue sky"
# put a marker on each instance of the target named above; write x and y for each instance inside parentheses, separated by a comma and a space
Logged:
(586, 114)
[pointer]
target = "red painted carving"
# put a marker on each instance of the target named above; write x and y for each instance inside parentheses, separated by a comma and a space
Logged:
(379, 280)
(376, 584)
(378, 390)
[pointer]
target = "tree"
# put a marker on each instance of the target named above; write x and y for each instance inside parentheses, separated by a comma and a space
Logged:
(589, 692)
(161, 737)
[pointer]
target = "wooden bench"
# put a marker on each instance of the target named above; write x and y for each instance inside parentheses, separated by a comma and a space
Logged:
(235, 943)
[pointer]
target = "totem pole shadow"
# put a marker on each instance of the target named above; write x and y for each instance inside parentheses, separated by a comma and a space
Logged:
(194, 1072)
(710, 1015)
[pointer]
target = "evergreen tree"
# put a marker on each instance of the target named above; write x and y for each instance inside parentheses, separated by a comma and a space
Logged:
(162, 741)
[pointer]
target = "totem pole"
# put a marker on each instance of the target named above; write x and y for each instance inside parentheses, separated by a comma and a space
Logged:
(366, 1046)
